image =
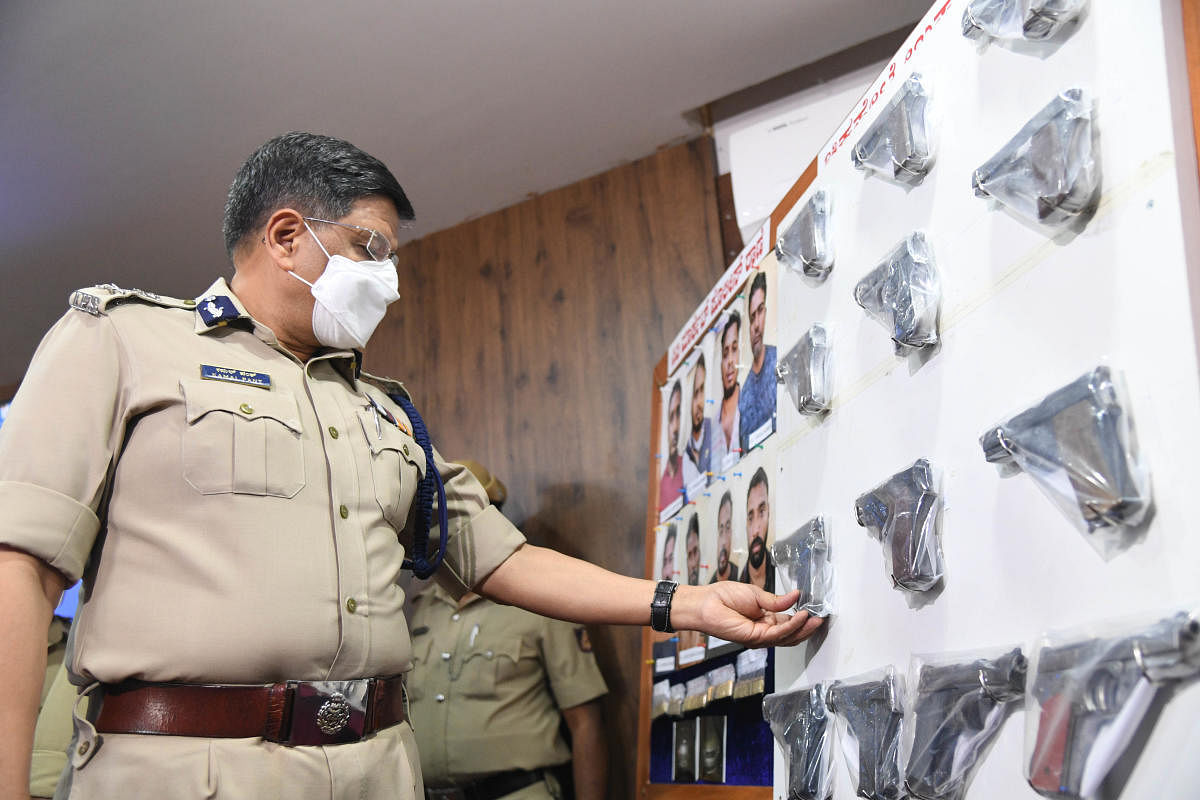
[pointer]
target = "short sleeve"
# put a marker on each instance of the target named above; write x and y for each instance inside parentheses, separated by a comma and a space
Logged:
(57, 444)
(570, 665)
(481, 538)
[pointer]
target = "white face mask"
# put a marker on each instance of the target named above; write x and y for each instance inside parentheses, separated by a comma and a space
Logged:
(352, 297)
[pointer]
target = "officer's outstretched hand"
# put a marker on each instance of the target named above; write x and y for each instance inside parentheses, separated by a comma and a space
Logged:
(743, 613)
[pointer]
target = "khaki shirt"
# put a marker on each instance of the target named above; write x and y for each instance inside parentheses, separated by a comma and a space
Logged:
(254, 525)
(488, 682)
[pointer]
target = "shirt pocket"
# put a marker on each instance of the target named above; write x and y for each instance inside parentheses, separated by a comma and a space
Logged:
(242, 440)
(397, 464)
(490, 663)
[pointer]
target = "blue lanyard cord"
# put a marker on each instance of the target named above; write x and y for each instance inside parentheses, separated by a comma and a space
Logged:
(421, 564)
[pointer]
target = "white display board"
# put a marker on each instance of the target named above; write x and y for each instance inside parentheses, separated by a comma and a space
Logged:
(1025, 311)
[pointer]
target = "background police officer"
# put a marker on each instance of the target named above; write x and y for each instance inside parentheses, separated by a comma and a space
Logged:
(491, 688)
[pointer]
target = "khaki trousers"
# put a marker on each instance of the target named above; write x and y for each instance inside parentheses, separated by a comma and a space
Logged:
(132, 767)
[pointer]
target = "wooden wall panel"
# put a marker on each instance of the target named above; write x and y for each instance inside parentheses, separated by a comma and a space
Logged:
(529, 337)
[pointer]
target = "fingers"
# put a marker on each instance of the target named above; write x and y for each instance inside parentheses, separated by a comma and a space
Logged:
(791, 630)
(776, 602)
(810, 627)
(784, 625)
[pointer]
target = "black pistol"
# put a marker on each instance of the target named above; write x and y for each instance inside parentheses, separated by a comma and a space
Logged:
(874, 715)
(902, 513)
(957, 712)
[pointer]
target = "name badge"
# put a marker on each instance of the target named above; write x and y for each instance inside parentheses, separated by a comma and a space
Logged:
(260, 379)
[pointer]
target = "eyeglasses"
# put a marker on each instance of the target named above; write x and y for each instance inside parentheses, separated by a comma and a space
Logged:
(377, 245)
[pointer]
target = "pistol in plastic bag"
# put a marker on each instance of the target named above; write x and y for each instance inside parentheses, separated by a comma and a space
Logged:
(803, 557)
(957, 712)
(1083, 432)
(800, 723)
(1049, 172)
(807, 371)
(1093, 694)
(902, 513)
(807, 245)
(1018, 19)
(904, 293)
(899, 144)
(874, 715)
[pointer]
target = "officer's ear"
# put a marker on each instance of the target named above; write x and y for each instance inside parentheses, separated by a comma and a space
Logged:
(281, 236)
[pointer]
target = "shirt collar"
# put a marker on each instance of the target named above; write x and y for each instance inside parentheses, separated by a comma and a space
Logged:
(436, 592)
(218, 306)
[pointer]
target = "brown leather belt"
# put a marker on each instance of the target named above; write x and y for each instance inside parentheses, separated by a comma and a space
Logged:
(290, 713)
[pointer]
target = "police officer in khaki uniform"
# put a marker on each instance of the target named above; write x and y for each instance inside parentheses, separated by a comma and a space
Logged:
(490, 688)
(236, 494)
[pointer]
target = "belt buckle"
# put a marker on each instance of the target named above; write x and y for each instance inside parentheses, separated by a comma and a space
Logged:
(446, 793)
(328, 712)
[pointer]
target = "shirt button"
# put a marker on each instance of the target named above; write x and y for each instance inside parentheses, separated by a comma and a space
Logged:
(441, 698)
(345, 512)
(404, 449)
(246, 408)
(189, 302)
(84, 747)
(455, 617)
(351, 604)
(489, 654)
(333, 434)
(445, 656)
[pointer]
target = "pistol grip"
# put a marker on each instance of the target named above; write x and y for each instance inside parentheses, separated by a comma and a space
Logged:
(1048, 763)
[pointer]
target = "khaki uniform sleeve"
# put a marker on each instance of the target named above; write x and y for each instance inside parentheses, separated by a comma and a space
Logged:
(52, 737)
(570, 665)
(481, 538)
(56, 651)
(57, 445)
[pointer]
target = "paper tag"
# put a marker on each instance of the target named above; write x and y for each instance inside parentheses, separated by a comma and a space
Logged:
(671, 510)
(761, 434)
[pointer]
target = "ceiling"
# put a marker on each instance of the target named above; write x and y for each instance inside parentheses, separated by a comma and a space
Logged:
(123, 122)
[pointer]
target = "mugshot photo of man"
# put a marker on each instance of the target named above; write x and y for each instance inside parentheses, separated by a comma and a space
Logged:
(727, 438)
(668, 554)
(758, 569)
(678, 471)
(691, 542)
(756, 405)
(726, 570)
(699, 443)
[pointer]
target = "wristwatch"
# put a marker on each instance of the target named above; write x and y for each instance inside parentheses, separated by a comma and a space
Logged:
(660, 606)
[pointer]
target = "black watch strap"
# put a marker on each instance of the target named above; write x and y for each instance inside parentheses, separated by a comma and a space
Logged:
(660, 606)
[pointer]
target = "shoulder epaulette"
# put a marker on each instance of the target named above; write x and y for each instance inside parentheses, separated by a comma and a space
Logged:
(95, 300)
(387, 385)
